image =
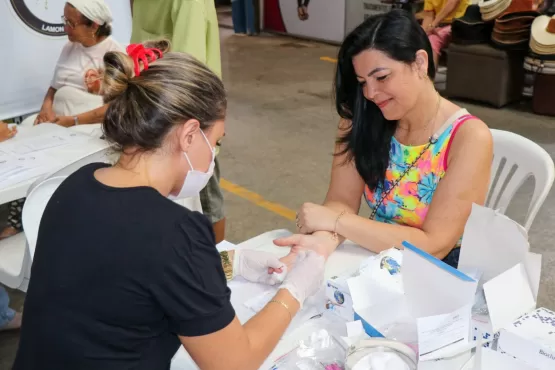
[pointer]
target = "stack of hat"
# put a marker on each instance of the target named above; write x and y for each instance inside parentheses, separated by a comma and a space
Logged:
(541, 62)
(471, 28)
(512, 28)
(492, 9)
(542, 41)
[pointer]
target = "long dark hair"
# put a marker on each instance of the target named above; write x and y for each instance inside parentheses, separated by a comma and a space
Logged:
(367, 140)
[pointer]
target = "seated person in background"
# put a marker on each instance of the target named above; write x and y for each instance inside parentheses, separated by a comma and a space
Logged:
(135, 275)
(9, 319)
(73, 97)
(419, 160)
(438, 15)
(14, 213)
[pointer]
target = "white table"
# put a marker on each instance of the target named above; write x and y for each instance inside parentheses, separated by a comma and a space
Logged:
(346, 257)
(62, 155)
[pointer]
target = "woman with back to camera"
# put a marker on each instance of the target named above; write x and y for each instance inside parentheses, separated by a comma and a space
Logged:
(419, 160)
(123, 276)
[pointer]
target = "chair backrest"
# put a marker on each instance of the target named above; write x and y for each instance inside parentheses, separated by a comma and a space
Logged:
(515, 159)
(41, 190)
(34, 207)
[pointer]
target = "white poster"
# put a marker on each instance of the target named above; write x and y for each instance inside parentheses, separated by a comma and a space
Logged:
(317, 19)
(32, 38)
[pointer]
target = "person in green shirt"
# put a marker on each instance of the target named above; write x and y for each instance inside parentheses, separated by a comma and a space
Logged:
(192, 28)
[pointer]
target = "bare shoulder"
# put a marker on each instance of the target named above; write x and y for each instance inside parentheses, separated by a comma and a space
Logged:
(473, 141)
(473, 133)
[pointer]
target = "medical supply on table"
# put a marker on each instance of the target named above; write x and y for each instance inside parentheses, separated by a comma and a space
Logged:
(320, 351)
(338, 297)
(531, 339)
(379, 353)
(384, 267)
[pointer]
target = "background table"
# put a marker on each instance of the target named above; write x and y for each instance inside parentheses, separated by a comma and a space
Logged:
(62, 155)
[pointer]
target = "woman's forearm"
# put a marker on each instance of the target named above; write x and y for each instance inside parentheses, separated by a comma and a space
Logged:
(447, 10)
(266, 328)
(338, 206)
(93, 116)
(378, 236)
(49, 98)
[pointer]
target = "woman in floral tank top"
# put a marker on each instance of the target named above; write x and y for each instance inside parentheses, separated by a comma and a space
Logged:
(418, 160)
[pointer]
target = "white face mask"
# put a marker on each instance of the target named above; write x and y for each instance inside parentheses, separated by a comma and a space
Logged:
(195, 180)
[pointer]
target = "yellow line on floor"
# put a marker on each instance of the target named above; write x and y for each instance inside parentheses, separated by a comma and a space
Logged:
(257, 199)
(328, 59)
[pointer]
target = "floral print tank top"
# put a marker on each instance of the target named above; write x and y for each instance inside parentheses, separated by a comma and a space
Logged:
(408, 203)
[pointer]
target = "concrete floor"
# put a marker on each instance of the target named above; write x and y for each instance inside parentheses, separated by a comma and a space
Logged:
(280, 133)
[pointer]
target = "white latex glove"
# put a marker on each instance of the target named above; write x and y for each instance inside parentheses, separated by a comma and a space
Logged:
(306, 277)
(253, 266)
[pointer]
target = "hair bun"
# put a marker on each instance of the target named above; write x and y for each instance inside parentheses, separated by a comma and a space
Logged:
(163, 45)
(118, 71)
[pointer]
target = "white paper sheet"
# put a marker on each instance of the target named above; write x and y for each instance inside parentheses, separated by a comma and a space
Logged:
(433, 288)
(18, 168)
(508, 296)
(355, 329)
(442, 331)
(38, 143)
(224, 246)
(492, 243)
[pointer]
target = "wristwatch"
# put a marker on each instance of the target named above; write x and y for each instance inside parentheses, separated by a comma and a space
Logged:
(75, 120)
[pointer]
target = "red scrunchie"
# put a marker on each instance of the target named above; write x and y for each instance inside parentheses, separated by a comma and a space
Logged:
(138, 52)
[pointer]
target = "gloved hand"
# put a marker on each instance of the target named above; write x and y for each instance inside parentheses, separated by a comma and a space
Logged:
(253, 266)
(306, 276)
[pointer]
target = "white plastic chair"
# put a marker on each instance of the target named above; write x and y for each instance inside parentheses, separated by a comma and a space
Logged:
(511, 150)
(15, 256)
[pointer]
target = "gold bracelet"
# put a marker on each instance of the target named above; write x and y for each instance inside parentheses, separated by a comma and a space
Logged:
(334, 235)
(227, 265)
(284, 305)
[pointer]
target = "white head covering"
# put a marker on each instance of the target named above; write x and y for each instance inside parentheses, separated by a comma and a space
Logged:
(95, 10)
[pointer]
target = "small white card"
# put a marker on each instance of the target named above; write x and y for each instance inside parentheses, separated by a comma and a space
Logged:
(225, 246)
(441, 331)
(258, 302)
(508, 296)
(355, 329)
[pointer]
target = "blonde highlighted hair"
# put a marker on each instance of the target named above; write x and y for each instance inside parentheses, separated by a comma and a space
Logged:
(174, 89)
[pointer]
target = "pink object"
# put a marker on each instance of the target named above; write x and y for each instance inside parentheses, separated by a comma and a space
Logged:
(440, 38)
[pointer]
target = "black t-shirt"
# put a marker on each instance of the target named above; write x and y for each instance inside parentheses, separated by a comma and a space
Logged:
(117, 274)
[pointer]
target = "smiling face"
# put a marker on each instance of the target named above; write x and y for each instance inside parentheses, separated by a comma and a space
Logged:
(392, 85)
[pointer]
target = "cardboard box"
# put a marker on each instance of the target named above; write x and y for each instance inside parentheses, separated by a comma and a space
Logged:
(531, 339)
(339, 300)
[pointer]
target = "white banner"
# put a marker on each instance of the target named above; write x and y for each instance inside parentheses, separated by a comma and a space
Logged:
(320, 19)
(32, 37)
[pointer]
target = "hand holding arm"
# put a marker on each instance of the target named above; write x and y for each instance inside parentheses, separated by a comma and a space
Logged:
(46, 113)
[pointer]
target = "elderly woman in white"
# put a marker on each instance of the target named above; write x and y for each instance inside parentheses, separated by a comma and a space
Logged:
(74, 94)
